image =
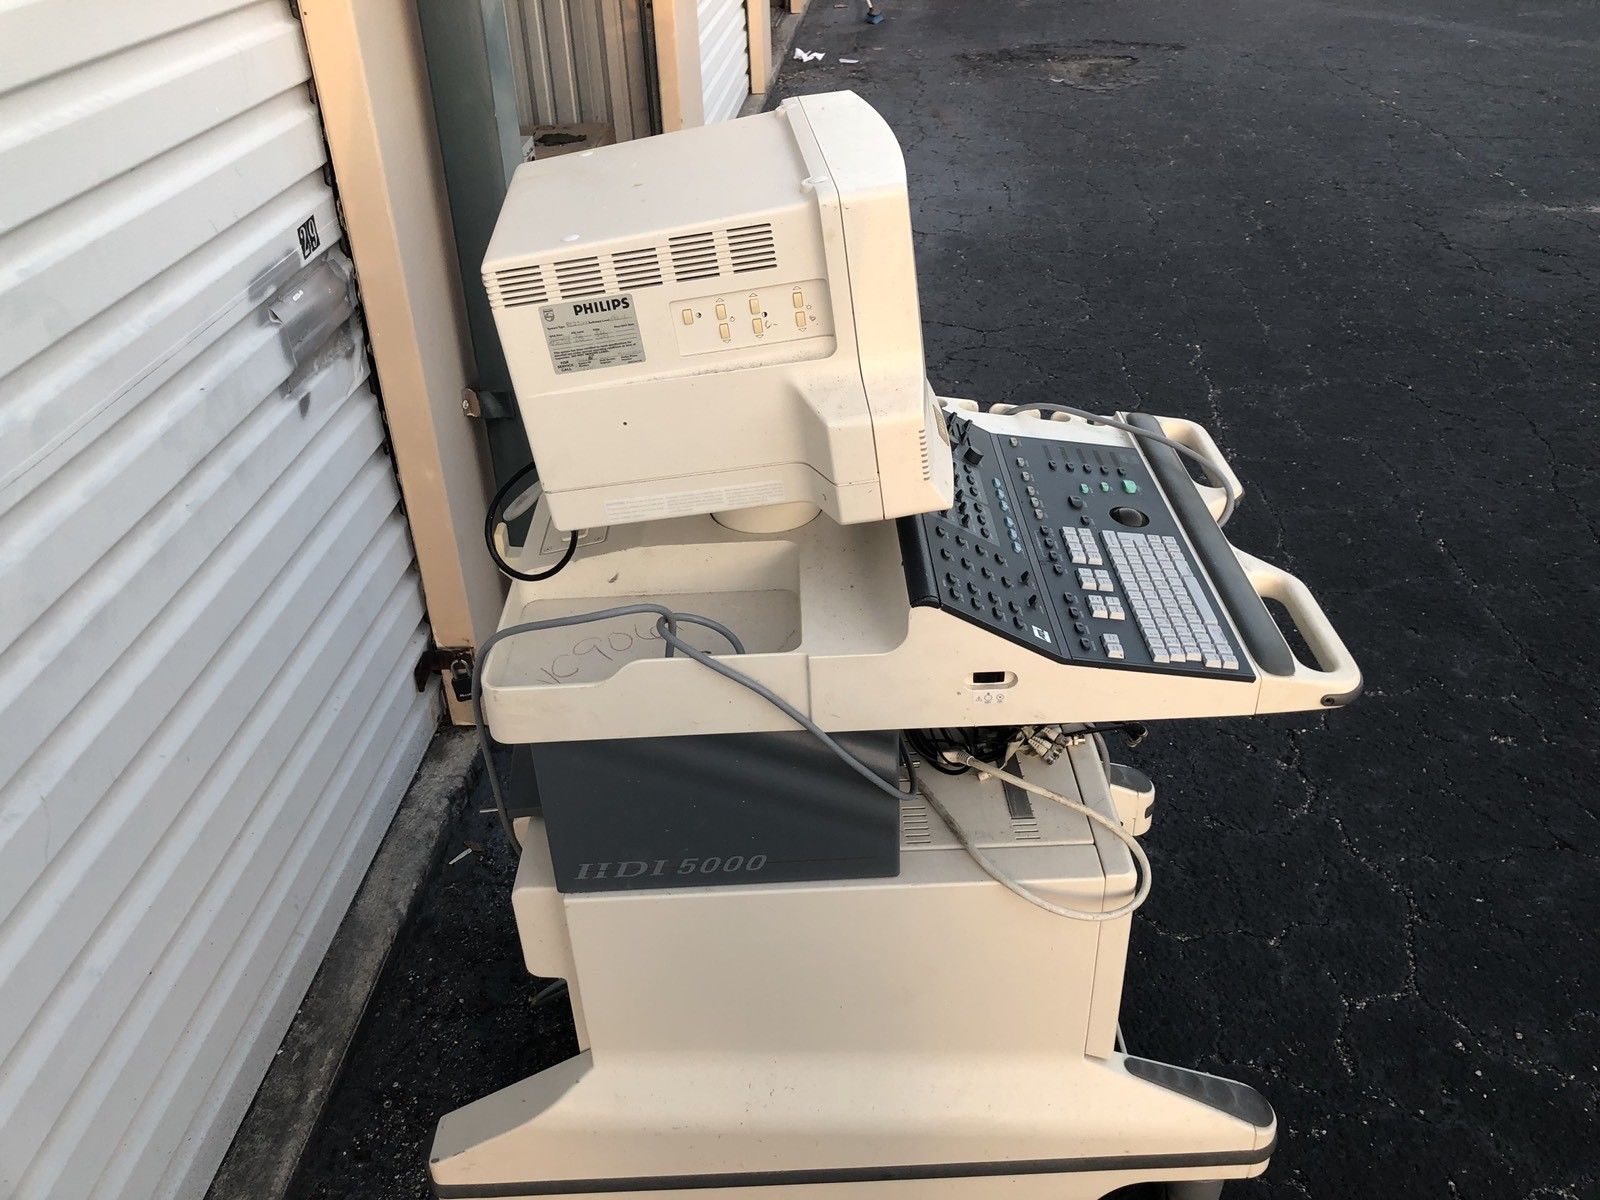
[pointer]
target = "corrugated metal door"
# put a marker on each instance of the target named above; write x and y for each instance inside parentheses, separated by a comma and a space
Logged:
(724, 58)
(581, 62)
(209, 611)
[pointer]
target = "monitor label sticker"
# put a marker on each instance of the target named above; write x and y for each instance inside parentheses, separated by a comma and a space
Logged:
(689, 504)
(586, 335)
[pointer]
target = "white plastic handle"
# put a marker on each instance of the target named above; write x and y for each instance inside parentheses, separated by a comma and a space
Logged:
(1197, 439)
(1336, 679)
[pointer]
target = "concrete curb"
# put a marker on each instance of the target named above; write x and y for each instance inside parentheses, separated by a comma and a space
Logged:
(266, 1150)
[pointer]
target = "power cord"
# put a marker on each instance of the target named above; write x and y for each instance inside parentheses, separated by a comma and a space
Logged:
(494, 516)
(1231, 497)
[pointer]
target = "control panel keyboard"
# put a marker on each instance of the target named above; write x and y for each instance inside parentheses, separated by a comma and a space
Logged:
(1069, 548)
(1174, 614)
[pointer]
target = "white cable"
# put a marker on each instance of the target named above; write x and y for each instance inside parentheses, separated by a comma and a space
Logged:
(1230, 496)
(1140, 894)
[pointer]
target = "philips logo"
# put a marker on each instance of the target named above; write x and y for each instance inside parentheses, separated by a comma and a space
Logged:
(595, 307)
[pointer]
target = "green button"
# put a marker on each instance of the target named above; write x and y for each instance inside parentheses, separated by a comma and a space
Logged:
(1104, 486)
(1129, 486)
(1084, 488)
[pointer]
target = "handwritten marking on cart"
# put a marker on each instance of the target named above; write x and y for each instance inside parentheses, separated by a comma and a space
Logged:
(590, 651)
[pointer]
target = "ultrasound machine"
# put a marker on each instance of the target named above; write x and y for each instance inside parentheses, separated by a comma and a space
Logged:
(813, 668)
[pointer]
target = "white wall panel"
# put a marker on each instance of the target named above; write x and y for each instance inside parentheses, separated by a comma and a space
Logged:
(724, 58)
(209, 609)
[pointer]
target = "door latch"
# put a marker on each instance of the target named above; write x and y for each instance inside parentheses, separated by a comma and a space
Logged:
(454, 662)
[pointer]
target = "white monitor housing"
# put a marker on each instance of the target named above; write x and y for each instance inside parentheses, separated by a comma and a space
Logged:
(722, 319)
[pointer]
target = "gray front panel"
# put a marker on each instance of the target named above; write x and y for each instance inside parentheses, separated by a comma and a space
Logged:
(718, 810)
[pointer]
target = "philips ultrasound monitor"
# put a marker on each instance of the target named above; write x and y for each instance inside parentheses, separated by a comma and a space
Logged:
(744, 342)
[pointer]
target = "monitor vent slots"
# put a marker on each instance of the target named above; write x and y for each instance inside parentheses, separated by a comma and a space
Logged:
(751, 248)
(690, 256)
(694, 256)
(637, 268)
(580, 277)
(516, 286)
(723, 252)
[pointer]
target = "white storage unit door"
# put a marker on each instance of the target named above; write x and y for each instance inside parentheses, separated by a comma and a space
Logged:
(209, 610)
(724, 58)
